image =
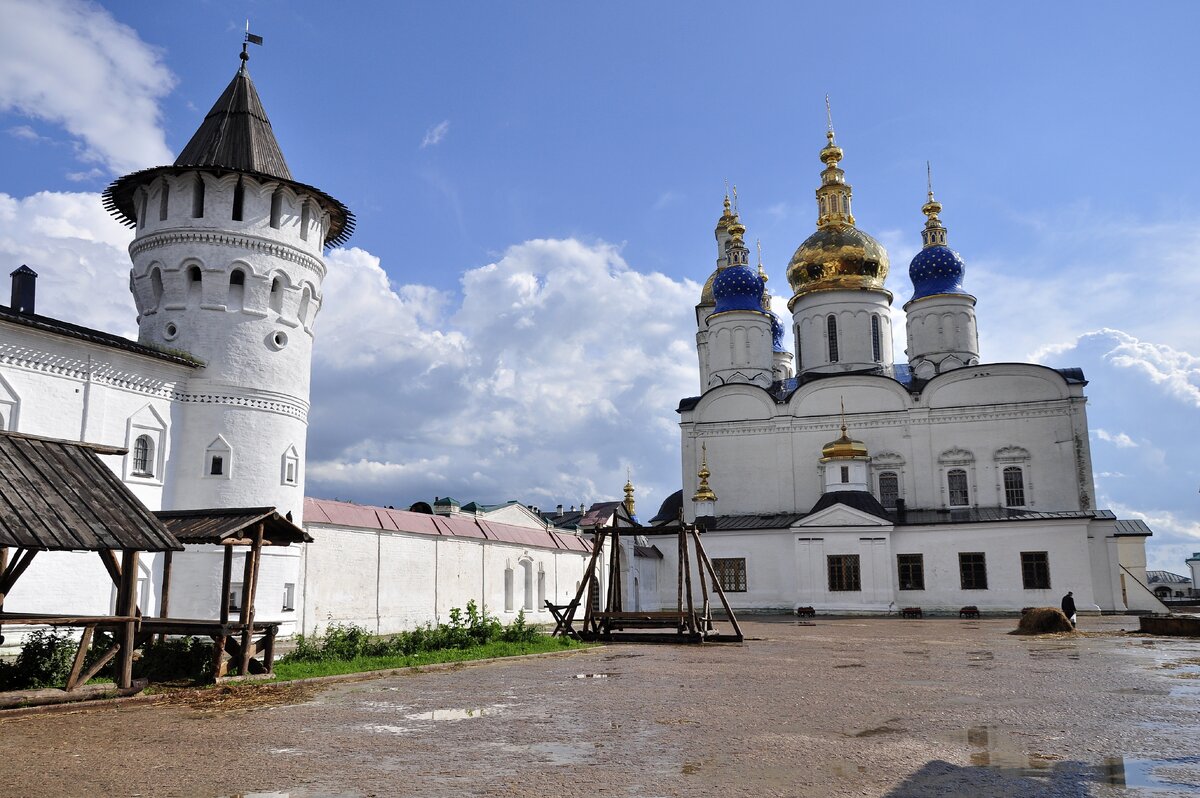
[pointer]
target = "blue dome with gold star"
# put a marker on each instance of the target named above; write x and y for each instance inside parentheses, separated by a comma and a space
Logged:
(936, 270)
(738, 288)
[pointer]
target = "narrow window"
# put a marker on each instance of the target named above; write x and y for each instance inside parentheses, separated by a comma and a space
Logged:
(277, 295)
(541, 589)
(1014, 487)
(143, 456)
(143, 199)
(305, 305)
(235, 597)
(198, 198)
(164, 200)
(276, 208)
(844, 572)
(2, 422)
(289, 596)
(290, 474)
(216, 466)
(508, 590)
(156, 286)
(831, 329)
(237, 277)
(194, 285)
(527, 567)
(912, 571)
(799, 353)
(876, 342)
(304, 215)
(1035, 570)
(731, 574)
(889, 489)
(239, 199)
(972, 570)
(956, 482)
(845, 474)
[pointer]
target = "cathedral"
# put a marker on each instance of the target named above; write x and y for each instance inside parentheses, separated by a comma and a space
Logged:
(847, 481)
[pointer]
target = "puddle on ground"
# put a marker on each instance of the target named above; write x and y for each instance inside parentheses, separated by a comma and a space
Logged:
(1054, 652)
(623, 656)
(690, 768)
(299, 793)
(456, 714)
(596, 675)
(994, 748)
(878, 731)
(1152, 774)
(850, 665)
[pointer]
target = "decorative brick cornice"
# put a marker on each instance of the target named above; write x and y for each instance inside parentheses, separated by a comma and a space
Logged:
(222, 238)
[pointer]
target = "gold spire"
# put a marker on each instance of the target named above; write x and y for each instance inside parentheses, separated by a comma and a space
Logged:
(628, 492)
(934, 234)
(762, 275)
(728, 215)
(703, 491)
(845, 446)
(833, 197)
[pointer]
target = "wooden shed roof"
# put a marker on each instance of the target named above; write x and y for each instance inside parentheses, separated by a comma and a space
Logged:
(231, 524)
(58, 496)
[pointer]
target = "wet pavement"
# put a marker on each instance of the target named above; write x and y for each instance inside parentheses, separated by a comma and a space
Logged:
(849, 707)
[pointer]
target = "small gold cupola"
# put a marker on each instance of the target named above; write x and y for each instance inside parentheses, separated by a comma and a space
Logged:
(845, 461)
(629, 504)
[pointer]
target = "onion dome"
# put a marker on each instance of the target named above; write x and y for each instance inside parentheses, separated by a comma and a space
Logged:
(738, 288)
(838, 255)
(936, 269)
(844, 447)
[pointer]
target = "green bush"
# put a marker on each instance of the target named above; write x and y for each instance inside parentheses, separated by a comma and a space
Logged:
(45, 661)
(466, 629)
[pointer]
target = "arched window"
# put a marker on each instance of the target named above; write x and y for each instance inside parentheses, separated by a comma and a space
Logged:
(1014, 487)
(143, 199)
(276, 208)
(889, 489)
(876, 341)
(164, 200)
(239, 200)
(527, 567)
(237, 277)
(956, 485)
(143, 456)
(194, 285)
(156, 286)
(304, 220)
(305, 305)
(277, 295)
(831, 330)
(508, 589)
(198, 198)
(219, 459)
(237, 290)
(541, 589)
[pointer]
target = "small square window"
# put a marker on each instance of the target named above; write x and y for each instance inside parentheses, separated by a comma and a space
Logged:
(731, 573)
(844, 573)
(972, 569)
(911, 569)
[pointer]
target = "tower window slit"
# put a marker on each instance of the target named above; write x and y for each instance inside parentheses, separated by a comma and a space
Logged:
(876, 342)
(276, 208)
(304, 218)
(198, 198)
(164, 200)
(831, 328)
(239, 199)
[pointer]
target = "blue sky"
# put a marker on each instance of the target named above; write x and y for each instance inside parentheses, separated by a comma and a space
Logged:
(536, 186)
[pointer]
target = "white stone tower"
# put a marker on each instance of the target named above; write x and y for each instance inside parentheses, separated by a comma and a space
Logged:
(942, 334)
(707, 303)
(845, 462)
(738, 338)
(227, 266)
(840, 309)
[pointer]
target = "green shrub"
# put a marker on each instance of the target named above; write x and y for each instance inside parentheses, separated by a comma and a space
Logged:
(45, 661)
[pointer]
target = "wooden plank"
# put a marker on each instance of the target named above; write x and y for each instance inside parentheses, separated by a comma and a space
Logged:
(717, 584)
(687, 577)
(84, 642)
(250, 588)
(127, 605)
(77, 514)
(164, 601)
(51, 619)
(105, 658)
(25, 518)
(110, 564)
(584, 584)
(106, 521)
(226, 576)
(705, 619)
(98, 448)
(14, 571)
(268, 649)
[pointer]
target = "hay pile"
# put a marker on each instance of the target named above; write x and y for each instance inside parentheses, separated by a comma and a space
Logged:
(1043, 621)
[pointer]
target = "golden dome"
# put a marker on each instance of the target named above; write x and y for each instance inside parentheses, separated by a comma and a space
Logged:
(843, 447)
(838, 255)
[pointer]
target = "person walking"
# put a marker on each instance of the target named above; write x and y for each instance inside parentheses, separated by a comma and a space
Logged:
(1068, 607)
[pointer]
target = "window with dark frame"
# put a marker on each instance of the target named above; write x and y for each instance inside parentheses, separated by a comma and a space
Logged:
(142, 449)
(731, 573)
(1035, 570)
(889, 489)
(911, 569)
(972, 570)
(956, 482)
(1014, 487)
(844, 574)
(831, 329)
(216, 466)
(876, 344)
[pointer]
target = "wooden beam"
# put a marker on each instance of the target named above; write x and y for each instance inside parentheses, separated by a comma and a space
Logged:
(80, 655)
(110, 563)
(249, 589)
(687, 577)
(226, 575)
(127, 603)
(164, 602)
(269, 649)
(717, 584)
(705, 624)
(569, 616)
(14, 570)
(99, 664)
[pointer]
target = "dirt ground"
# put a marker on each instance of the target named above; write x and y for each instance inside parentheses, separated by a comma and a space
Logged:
(848, 707)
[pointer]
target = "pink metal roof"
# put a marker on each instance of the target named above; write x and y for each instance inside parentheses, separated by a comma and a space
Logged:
(327, 511)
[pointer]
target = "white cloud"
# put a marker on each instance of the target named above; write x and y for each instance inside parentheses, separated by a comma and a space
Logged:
(72, 64)
(1120, 439)
(666, 199)
(24, 132)
(1176, 371)
(435, 134)
(79, 177)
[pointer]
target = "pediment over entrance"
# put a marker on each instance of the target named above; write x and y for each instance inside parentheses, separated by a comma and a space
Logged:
(841, 515)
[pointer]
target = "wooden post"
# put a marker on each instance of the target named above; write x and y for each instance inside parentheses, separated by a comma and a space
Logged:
(127, 602)
(269, 649)
(226, 575)
(569, 618)
(80, 655)
(249, 586)
(218, 666)
(590, 576)
(707, 563)
(687, 577)
(705, 622)
(679, 575)
(165, 602)
(3, 566)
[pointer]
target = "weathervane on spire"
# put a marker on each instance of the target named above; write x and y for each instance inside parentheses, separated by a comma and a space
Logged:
(929, 178)
(735, 201)
(248, 40)
(829, 117)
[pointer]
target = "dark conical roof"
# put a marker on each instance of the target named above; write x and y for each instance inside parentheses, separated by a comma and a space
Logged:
(236, 134)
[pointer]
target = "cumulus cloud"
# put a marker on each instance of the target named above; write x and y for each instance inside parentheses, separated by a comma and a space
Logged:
(557, 368)
(71, 64)
(1120, 439)
(1175, 371)
(1175, 537)
(435, 134)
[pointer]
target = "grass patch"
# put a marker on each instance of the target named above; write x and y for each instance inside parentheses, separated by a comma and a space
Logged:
(302, 669)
